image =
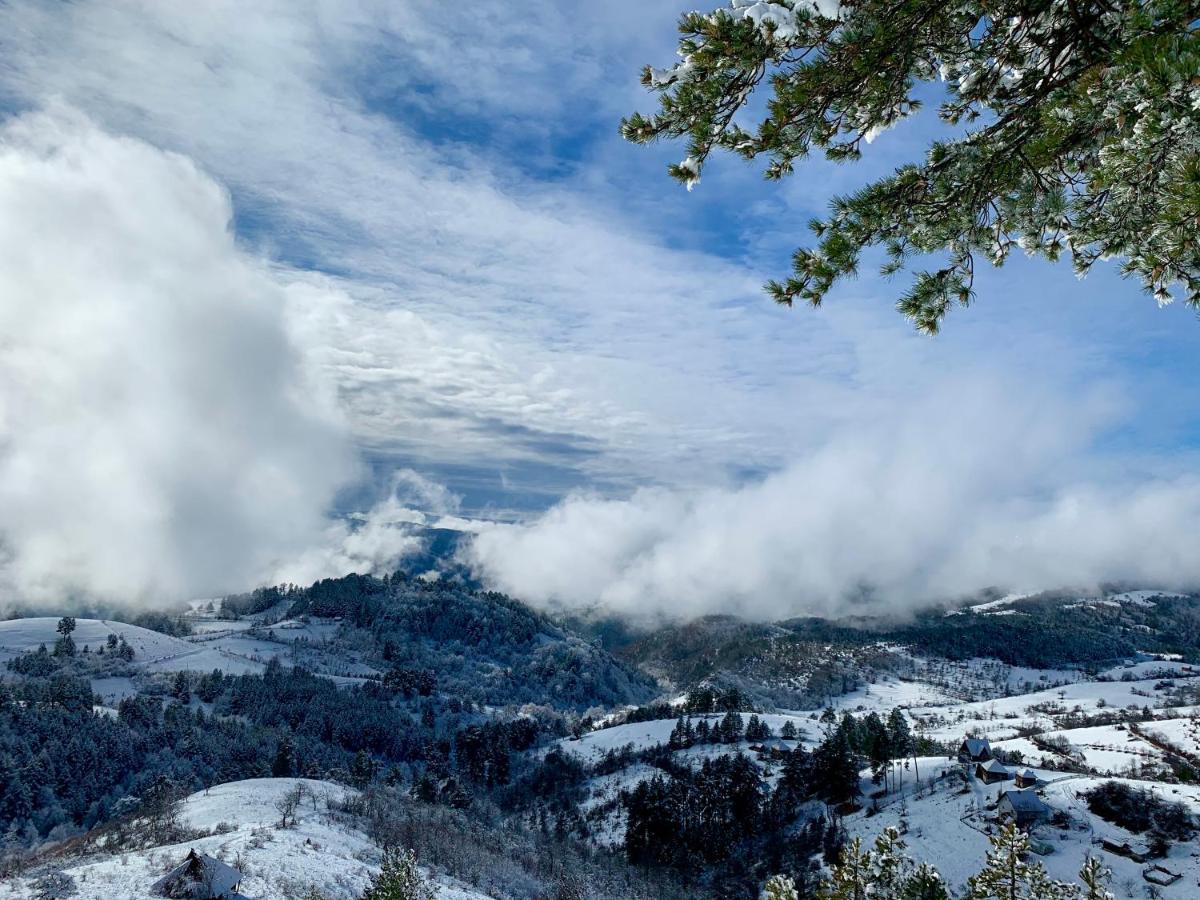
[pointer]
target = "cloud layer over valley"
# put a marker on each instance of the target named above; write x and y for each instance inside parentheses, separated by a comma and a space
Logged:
(973, 487)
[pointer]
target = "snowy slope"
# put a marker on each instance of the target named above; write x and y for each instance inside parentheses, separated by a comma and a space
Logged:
(319, 852)
(642, 735)
(946, 825)
(21, 635)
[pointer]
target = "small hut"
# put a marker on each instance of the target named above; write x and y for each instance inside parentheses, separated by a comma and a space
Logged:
(1027, 778)
(975, 750)
(1022, 808)
(990, 771)
(200, 877)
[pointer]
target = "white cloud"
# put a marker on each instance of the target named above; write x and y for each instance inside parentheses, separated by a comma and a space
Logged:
(977, 485)
(482, 316)
(374, 541)
(160, 434)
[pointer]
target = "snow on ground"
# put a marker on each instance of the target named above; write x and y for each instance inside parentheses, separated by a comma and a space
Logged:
(1181, 734)
(1003, 717)
(113, 690)
(1150, 668)
(203, 628)
(22, 635)
(1031, 753)
(205, 658)
(890, 692)
(592, 746)
(1145, 598)
(1111, 749)
(946, 820)
(989, 605)
(276, 863)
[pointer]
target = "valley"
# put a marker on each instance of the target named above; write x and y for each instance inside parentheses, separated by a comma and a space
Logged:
(405, 705)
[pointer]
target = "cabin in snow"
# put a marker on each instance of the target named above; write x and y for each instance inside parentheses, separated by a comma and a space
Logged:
(200, 877)
(1023, 808)
(1026, 778)
(975, 750)
(990, 771)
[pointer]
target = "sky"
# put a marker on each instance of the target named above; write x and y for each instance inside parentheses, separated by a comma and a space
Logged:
(281, 281)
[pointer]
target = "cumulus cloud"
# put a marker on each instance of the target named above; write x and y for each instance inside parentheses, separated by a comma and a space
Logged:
(160, 433)
(975, 486)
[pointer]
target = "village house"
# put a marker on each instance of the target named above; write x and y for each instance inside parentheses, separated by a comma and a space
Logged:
(200, 877)
(975, 750)
(1026, 778)
(991, 771)
(1023, 808)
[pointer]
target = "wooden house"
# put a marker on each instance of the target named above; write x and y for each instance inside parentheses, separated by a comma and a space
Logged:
(1023, 808)
(200, 877)
(991, 771)
(975, 750)
(1026, 778)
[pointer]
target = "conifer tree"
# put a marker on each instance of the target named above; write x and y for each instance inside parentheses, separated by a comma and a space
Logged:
(1095, 877)
(399, 879)
(900, 738)
(780, 887)
(1007, 876)
(1072, 128)
(925, 883)
(851, 877)
(283, 765)
(65, 645)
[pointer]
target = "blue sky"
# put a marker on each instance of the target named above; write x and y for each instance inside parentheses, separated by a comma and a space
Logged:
(478, 282)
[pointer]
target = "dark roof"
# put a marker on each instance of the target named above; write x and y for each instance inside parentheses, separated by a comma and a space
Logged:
(975, 746)
(993, 766)
(1024, 801)
(199, 876)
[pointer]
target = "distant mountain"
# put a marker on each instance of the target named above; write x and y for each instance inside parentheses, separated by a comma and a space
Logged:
(799, 661)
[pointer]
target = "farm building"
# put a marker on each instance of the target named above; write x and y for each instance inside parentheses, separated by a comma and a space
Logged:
(991, 771)
(975, 750)
(200, 877)
(1024, 808)
(1026, 778)
(1157, 874)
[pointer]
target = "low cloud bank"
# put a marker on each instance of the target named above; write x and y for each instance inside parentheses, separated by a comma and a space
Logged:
(985, 484)
(378, 540)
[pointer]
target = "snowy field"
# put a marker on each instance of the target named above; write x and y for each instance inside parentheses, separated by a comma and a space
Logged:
(276, 863)
(948, 823)
(224, 644)
(592, 746)
(22, 635)
(1002, 718)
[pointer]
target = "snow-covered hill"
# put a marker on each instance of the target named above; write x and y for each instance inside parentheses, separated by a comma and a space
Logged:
(22, 635)
(946, 824)
(241, 820)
